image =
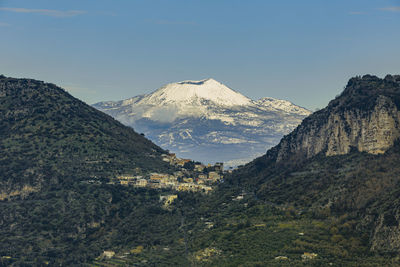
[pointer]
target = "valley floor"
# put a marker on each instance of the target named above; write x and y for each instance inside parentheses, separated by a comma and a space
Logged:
(246, 232)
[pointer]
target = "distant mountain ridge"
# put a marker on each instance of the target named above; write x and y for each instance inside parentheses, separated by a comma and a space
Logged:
(207, 121)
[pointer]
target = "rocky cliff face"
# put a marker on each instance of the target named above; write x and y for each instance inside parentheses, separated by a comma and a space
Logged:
(365, 116)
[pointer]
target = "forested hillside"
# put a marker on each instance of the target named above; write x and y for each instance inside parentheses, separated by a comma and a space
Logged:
(57, 154)
(49, 138)
(330, 205)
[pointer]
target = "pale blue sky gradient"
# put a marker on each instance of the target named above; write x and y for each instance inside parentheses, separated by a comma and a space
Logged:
(302, 51)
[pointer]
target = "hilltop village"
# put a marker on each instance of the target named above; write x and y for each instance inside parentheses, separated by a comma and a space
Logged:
(189, 176)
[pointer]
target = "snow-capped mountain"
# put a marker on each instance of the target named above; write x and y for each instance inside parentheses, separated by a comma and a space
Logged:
(207, 121)
(195, 92)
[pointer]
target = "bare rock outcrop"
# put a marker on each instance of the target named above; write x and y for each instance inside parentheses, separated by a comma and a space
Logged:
(366, 117)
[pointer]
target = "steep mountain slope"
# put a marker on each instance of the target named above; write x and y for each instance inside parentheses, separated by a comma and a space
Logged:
(47, 138)
(207, 121)
(300, 205)
(341, 161)
(57, 155)
(366, 116)
(316, 211)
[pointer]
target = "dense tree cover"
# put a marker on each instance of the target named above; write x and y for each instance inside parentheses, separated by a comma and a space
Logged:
(74, 225)
(46, 135)
(249, 231)
(57, 208)
(57, 154)
(359, 183)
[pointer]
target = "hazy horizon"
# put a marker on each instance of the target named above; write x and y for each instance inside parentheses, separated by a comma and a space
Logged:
(99, 50)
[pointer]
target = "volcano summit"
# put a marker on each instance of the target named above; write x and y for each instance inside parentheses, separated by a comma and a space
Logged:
(207, 121)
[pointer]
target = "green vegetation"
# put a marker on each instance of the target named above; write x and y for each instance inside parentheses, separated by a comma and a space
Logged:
(57, 208)
(220, 231)
(47, 137)
(74, 225)
(57, 154)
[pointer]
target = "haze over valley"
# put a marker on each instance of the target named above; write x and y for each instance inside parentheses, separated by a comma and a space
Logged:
(199, 133)
(207, 121)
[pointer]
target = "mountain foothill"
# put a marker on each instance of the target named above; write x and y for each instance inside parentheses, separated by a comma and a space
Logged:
(327, 194)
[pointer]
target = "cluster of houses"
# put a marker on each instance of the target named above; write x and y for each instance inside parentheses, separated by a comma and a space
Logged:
(190, 176)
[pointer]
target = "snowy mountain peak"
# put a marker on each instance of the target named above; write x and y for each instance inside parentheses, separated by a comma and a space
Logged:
(195, 91)
(209, 80)
(207, 121)
(282, 105)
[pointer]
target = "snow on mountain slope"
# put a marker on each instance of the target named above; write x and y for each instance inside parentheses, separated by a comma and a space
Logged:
(282, 105)
(193, 92)
(207, 121)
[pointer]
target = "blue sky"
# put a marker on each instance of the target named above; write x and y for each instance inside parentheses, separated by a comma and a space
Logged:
(302, 51)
